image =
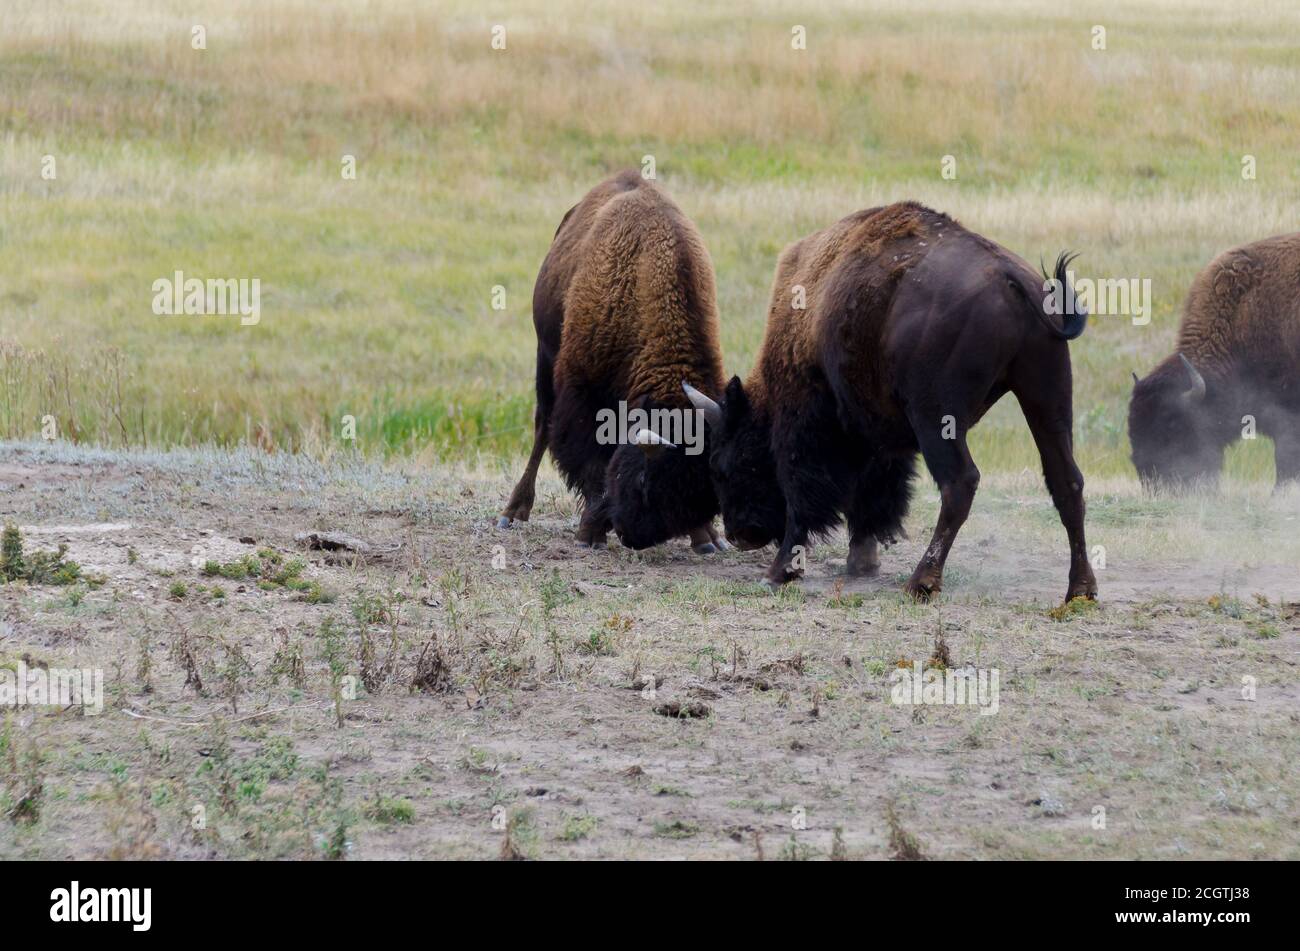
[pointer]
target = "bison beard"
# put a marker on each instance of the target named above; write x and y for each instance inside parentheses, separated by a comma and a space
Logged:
(625, 308)
(913, 328)
(1238, 358)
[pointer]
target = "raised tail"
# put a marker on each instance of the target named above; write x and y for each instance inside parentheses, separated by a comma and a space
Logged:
(1059, 301)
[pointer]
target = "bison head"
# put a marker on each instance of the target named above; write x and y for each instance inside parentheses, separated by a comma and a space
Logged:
(655, 490)
(742, 467)
(1170, 428)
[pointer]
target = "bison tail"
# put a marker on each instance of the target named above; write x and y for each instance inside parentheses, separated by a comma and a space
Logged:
(1060, 302)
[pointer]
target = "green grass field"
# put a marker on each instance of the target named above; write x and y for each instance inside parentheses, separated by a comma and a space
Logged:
(377, 292)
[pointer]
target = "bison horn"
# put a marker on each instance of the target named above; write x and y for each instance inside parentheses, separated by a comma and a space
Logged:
(711, 410)
(1197, 390)
(651, 443)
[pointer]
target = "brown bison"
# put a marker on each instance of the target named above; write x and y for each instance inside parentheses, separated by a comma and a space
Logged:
(893, 331)
(625, 309)
(1236, 370)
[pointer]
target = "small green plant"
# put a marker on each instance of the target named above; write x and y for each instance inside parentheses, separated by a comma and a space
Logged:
(268, 568)
(177, 591)
(677, 829)
(334, 653)
(598, 643)
(520, 839)
(1075, 607)
(11, 554)
(39, 567)
(903, 846)
(577, 827)
(389, 811)
(288, 661)
(23, 790)
(315, 594)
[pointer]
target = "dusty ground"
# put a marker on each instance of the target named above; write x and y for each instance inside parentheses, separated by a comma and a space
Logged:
(532, 654)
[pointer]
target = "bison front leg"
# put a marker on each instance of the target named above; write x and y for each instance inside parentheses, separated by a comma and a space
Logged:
(950, 463)
(864, 556)
(1052, 435)
(593, 527)
(791, 557)
(595, 523)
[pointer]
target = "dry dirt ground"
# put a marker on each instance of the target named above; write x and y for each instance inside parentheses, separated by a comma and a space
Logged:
(500, 679)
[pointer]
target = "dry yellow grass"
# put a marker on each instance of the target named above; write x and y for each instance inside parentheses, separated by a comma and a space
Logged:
(226, 161)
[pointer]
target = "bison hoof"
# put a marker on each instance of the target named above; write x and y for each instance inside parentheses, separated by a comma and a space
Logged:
(922, 590)
(1082, 591)
(774, 581)
(704, 548)
(504, 521)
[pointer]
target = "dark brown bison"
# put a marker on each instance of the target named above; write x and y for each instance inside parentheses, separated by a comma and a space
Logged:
(911, 329)
(625, 309)
(1236, 370)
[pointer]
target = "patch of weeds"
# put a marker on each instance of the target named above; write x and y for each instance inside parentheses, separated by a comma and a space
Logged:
(577, 827)
(791, 594)
(334, 842)
(232, 570)
(23, 791)
(795, 851)
(1260, 618)
(131, 823)
(839, 851)
(677, 829)
(334, 652)
(314, 593)
(701, 591)
(235, 673)
(432, 672)
(903, 846)
(839, 599)
(270, 569)
(185, 653)
(476, 761)
(389, 811)
(178, 591)
(520, 839)
(1227, 606)
(39, 567)
(555, 592)
(1074, 608)
(671, 791)
(144, 662)
(598, 643)
(940, 657)
(371, 611)
(288, 660)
